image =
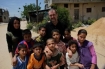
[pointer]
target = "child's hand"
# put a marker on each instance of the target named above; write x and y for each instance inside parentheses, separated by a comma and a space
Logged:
(14, 61)
(70, 54)
(81, 65)
(56, 46)
(55, 67)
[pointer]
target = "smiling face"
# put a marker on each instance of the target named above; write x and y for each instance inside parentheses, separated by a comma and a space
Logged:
(73, 48)
(53, 16)
(22, 52)
(51, 44)
(16, 24)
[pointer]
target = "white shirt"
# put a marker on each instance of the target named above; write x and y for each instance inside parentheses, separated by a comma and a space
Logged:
(73, 59)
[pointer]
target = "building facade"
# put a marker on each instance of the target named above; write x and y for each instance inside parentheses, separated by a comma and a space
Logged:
(4, 15)
(81, 9)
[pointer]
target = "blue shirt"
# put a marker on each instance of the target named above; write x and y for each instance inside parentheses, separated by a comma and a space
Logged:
(21, 64)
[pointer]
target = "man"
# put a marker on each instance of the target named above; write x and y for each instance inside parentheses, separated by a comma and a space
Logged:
(54, 24)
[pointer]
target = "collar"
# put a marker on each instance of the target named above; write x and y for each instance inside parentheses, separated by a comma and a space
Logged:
(19, 60)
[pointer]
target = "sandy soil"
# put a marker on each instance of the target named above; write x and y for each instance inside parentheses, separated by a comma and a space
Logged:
(5, 62)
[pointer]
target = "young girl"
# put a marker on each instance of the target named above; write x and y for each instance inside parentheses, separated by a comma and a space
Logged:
(67, 37)
(13, 35)
(73, 61)
(36, 60)
(56, 59)
(86, 51)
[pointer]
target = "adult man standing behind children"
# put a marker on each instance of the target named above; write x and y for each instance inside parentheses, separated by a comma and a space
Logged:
(54, 24)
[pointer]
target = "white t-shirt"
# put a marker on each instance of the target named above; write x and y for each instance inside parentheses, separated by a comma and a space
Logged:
(73, 59)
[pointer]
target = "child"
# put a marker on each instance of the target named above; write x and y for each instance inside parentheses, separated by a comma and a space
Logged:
(60, 45)
(73, 61)
(67, 36)
(21, 59)
(86, 51)
(27, 41)
(56, 59)
(41, 38)
(37, 58)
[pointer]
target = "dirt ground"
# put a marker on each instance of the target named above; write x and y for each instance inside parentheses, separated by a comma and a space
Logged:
(5, 62)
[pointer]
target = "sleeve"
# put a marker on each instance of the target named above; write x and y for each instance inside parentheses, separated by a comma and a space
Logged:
(16, 67)
(9, 42)
(68, 59)
(30, 63)
(93, 53)
(64, 49)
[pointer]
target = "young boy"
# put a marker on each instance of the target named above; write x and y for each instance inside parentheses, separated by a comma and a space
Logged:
(41, 38)
(73, 62)
(37, 58)
(22, 60)
(56, 58)
(28, 41)
(60, 45)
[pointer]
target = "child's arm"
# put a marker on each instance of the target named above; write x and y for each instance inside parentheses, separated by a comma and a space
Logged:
(72, 64)
(55, 66)
(69, 52)
(62, 60)
(30, 63)
(14, 60)
(47, 67)
(77, 64)
(47, 52)
(94, 57)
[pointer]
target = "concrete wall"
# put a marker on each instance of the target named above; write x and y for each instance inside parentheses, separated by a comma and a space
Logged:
(96, 10)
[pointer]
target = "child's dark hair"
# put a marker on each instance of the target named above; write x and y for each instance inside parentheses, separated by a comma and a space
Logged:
(82, 31)
(26, 31)
(68, 30)
(42, 26)
(55, 30)
(72, 42)
(20, 46)
(38, 44)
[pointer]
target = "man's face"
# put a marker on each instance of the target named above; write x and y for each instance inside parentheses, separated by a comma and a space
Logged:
(53, 16)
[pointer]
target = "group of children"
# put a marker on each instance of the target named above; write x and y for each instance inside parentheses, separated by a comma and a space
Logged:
(55, 53)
